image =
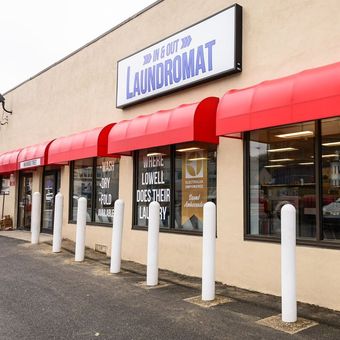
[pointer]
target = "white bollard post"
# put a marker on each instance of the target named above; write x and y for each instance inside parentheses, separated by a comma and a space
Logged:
(117, 233)
(35, 217)
(208, 251)
(81, 224)
(288, 263)
(153, 235)
(58, 222)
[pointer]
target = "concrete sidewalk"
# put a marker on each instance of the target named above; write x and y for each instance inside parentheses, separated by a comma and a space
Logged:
(25, 235)
(253, 299)
(311, 312)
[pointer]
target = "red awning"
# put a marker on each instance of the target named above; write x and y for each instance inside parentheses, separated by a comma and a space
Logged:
(8, 161)
(33, 156)
(85, 144)
(186, 123)
(308, 95)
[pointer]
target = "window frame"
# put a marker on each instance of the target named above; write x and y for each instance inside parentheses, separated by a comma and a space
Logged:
(318, 241)
(171, 229)
(94, 195)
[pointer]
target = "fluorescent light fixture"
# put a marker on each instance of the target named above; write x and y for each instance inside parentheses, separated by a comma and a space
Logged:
(274, 166)
(306, 163)
(281, 160)
(331, 144)
(296, 134)
(155, 154)
(198, 159)
(282, 149)
(330, 155)
(188, 149)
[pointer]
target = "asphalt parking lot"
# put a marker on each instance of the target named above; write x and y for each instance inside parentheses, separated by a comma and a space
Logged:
(49, 296)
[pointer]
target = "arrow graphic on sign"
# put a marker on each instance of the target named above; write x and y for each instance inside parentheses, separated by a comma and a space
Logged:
(186, 41)
(147, 58)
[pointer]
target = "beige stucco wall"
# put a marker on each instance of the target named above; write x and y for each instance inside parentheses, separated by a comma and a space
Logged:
(37, 180)
(279, 38)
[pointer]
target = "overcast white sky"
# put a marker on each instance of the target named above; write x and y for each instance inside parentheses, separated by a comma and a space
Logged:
(36, 33)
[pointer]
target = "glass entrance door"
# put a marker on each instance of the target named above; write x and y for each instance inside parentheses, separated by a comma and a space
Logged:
(50, 189)
(25, 201)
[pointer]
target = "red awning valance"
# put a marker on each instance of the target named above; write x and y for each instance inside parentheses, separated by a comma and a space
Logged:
(85, 144)
(186, 123)
(33, 156)
(8, 161)
(308, 95)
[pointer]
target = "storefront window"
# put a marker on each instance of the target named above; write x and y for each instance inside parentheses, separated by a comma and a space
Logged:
(330, 130)
(282, 170)
(25, 200)
(82, 186)
(107, 184)
(153, 184)
(282, 166)
(98, 181)
(181, 178)
(4, 185)
(195, 184)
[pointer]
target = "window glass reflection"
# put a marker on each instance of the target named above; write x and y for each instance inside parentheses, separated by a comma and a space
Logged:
(282, 171)
(330, 130)
(195, 183)
(82, 186)
(182, 178)
(107, 187)
(4, 185)
(153, 184)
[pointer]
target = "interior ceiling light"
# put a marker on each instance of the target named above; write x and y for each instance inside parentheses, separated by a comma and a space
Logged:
(281, 160)
(274, 166)
(188, 149)
(282, 149)
(155, 154)
(198, 159)
(331, 144)
(306, 163)
(296, 134)
(330, 155)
